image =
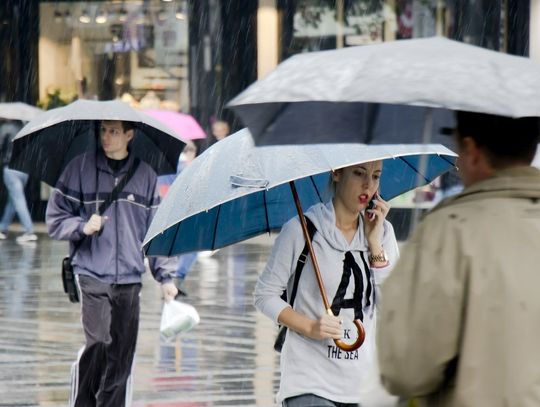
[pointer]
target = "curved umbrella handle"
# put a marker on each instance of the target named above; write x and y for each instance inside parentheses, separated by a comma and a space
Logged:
(349, 347)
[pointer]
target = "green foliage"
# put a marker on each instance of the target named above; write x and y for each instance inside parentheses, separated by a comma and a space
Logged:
(56, 99)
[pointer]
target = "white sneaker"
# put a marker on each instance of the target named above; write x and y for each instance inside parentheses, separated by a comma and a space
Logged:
(3, 236)
(27, 237)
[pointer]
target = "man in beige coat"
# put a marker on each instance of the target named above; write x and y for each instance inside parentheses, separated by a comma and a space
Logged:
(459, 323)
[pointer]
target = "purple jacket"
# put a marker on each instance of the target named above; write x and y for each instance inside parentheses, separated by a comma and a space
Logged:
(115, 256)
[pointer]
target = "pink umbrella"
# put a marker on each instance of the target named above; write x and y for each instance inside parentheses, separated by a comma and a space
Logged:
(183, 124)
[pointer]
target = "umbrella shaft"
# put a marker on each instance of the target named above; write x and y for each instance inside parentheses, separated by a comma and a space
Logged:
(310, 247)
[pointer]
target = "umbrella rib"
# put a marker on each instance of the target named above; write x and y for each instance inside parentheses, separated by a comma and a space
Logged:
(215, 228)
(266, 212)
(174, 239)
(414, 169)
(316, 189)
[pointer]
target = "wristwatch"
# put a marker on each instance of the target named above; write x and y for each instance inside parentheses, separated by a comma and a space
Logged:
(378, 258)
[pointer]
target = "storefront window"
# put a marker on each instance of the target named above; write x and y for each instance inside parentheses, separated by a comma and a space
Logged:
(312, 25)
(133, 50)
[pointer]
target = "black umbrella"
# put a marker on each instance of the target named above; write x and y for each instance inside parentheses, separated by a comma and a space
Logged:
(48, 143)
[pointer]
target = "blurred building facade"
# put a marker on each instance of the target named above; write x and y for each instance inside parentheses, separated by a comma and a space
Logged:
(196, 55)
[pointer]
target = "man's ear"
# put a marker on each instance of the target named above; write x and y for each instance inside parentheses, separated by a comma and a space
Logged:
(469, 150)
(130, 133)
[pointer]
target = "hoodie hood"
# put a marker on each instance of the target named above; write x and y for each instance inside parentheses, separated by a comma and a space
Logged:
(323, 217)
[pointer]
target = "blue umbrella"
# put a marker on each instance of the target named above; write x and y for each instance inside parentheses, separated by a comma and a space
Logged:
(234, 191)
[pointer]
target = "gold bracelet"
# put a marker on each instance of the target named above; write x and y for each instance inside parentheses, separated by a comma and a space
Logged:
(378, 258)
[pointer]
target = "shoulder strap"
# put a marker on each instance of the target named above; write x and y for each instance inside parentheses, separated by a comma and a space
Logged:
(113, 196)
(302, 260)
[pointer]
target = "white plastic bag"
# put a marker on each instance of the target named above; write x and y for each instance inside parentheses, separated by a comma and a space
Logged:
(177, 317)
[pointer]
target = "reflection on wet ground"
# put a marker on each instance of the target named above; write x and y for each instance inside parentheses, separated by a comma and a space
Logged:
(227, 360)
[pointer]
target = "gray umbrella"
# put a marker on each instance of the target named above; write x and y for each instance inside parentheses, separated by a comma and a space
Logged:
(234, 191)
(382, 93)
(48, 143)
(19, 111)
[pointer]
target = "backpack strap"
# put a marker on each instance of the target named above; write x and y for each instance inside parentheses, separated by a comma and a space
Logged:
(300, 263)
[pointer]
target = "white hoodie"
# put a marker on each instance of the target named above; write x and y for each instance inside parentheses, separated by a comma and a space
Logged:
(318, 366)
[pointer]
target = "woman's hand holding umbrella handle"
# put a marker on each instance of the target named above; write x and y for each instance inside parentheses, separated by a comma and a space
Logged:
(349, 347)
(327, 326)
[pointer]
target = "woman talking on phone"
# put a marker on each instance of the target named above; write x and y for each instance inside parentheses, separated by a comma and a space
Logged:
(356, 248)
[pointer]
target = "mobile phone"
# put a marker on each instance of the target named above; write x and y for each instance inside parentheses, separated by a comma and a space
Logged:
(371, 205)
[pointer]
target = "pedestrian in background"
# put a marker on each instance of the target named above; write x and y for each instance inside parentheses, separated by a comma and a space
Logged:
(459, 318)
(356, 249)
(185, 261)
(220, 130)
(108, 262)
(15, 182)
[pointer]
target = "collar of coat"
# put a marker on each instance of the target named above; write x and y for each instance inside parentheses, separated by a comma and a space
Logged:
(517, 182)
(103, 165)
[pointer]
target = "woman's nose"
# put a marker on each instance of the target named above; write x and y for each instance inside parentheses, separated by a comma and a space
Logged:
(368, 182)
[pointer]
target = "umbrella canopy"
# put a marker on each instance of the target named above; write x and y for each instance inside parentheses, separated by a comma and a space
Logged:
(49, 142)
(333, 92)
(234, 191)
(19, 111)
(183, 124)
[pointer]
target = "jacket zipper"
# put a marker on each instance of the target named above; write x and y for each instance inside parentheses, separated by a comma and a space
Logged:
(116, 228)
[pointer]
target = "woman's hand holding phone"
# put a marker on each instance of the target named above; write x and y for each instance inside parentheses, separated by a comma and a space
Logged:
(376, 212)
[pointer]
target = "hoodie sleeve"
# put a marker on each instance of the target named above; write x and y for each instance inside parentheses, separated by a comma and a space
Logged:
(162, 268)
(390, 246)
(62, 216)
(278, 270)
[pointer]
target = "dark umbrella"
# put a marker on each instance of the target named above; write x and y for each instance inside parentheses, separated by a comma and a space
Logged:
(48, 143)
(398, 91)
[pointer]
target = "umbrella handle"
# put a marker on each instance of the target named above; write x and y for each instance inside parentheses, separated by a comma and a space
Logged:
(349, 347)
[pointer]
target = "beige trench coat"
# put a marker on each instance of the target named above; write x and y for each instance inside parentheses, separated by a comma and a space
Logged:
(459, 323)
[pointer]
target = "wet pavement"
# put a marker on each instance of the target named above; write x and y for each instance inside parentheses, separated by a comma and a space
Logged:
(227, 360)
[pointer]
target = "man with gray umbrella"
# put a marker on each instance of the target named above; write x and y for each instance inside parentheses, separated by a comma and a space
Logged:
(458, 324)
(107, 259)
